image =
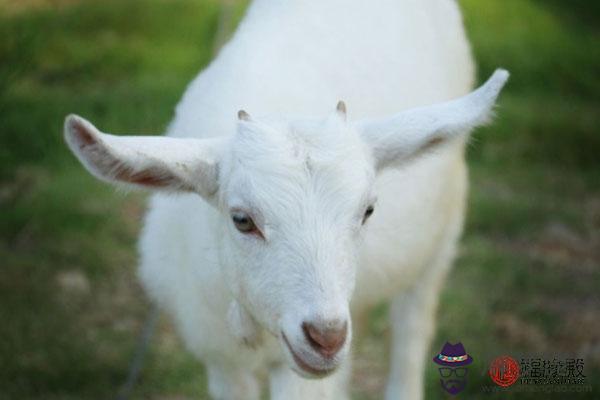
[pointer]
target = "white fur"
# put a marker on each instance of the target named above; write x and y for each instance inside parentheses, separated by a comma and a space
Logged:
(306, 182)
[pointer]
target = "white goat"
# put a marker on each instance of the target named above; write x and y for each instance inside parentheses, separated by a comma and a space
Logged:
(259, 270)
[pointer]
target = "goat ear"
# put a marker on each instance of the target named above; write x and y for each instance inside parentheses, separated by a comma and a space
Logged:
(151, 162)
(409, 133)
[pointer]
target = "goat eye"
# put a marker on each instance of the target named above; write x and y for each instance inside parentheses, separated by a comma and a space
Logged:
(368, 213)
(244, 223)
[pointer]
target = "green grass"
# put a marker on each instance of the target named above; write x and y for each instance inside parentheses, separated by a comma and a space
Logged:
(527, 278)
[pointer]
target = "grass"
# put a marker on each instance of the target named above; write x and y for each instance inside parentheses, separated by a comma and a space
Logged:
(527, 278)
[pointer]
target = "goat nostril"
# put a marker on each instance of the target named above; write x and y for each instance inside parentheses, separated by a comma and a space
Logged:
(326, 341)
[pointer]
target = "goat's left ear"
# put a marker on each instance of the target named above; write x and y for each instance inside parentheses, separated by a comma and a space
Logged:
(150, 162)
(409, 133)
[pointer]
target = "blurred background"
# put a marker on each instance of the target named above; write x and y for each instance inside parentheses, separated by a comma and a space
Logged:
(527, 282)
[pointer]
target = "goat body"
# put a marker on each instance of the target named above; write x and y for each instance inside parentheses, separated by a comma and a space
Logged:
(297, 189)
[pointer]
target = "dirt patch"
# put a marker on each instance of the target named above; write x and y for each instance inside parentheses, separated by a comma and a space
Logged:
(73, 283)
(520, 332)
(558, 244)
(579, 329)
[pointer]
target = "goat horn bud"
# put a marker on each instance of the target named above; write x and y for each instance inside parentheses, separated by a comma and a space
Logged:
(341, 108)
(340, 111)
(243, 115)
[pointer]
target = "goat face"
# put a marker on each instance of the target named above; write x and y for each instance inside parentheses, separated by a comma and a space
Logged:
(296, 197)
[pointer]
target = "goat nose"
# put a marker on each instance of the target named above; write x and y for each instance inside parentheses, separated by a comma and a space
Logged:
(328, 338)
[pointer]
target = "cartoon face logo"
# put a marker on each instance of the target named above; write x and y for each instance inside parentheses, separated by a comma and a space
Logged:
(453, 360)
(453, 380)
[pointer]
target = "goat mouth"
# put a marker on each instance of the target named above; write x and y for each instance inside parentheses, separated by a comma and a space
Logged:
(303, 365)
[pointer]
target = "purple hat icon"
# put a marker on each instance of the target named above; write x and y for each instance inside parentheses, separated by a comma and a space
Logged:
(453, 355)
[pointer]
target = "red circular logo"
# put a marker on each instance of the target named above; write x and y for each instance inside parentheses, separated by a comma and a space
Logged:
(504, 371)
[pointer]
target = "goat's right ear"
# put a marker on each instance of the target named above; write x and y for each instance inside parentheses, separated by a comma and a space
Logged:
(151, 162)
